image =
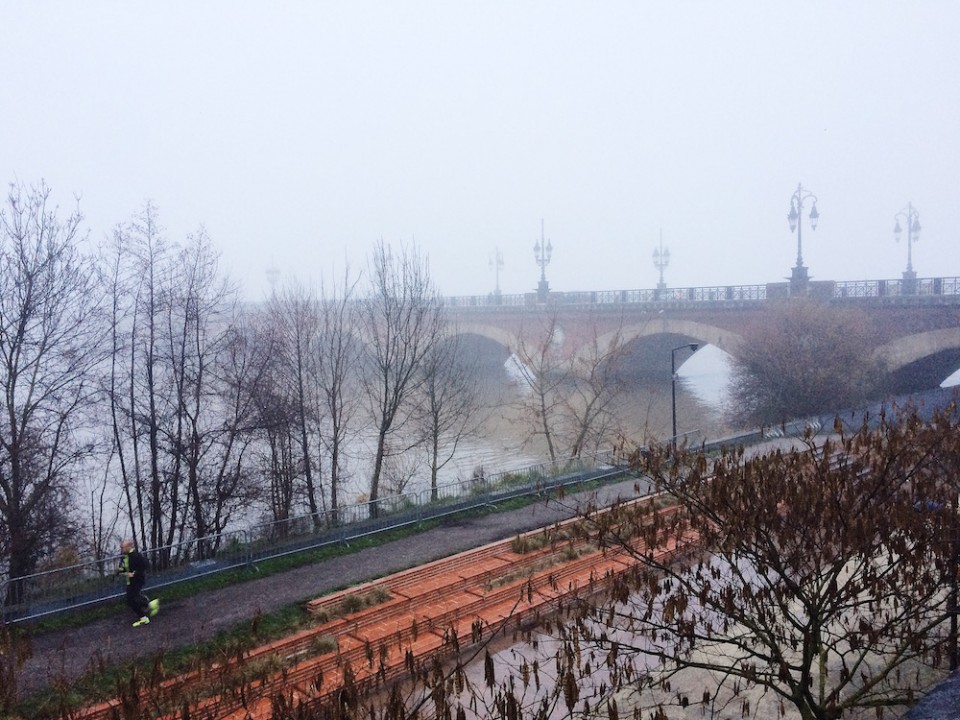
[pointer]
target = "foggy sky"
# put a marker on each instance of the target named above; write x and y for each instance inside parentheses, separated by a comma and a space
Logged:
(299, 133)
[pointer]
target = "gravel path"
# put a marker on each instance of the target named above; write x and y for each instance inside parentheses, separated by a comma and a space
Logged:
(63, 656)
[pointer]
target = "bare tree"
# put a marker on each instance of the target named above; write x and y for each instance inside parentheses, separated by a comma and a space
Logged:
(210, 366)
(802, 359)
(298, 318)
(103, 516)
(177, 434)
(569, 394)
(276, 451)
(543, 374)
(595, 384)
(308, 394)
(401, 320)
(136, 378)
(449, 402)
(51, 333)
(280, 450)
(338, 376)
(815, 578)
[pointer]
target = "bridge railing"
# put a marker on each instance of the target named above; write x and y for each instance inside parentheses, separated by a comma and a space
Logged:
(887, 290)
(486, 302)
(900, 287)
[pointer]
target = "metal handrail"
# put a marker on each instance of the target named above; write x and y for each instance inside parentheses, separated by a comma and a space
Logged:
(919, 289)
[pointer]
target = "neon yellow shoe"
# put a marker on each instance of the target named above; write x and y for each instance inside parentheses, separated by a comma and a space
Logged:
(154, 607)
(142, 621)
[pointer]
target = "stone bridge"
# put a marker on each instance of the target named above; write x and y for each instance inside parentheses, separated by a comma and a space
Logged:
(917, 324)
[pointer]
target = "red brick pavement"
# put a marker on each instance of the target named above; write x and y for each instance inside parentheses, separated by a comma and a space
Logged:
(431, 610)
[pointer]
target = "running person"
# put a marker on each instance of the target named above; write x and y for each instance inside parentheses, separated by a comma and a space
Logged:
(133, 566)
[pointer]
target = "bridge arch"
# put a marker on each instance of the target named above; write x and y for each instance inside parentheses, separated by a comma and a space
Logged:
(491, 332)
(706, 334)
(903, 351)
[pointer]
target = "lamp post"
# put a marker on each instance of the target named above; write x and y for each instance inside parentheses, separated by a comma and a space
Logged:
(542, 251)
(661, 258)
(673, 386)
(496, 262)
(799, 277)
(912, 218)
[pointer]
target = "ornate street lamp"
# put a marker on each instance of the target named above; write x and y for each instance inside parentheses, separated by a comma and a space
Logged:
(542, 251)
(912, 218)
(799, 277)
(673, 386)
(661, 258)
(496, 262)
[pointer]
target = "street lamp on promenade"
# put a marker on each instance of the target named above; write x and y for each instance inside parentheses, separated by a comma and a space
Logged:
(673, 386)
(912, 218)
(799, 277)
(542, 251)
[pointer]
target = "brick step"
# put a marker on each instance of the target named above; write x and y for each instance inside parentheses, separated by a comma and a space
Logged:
(440, 588)
(413, 576)
(550, 587)
(378, 640)
(470, 604)
(462, 563)
(493, 615)
(473, 575)
(404, 578)
(370, 626)
(455, 589)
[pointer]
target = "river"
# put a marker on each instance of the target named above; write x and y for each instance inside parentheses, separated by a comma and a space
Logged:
(506, 441)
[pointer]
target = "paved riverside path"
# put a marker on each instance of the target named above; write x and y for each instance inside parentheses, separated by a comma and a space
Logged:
(65, 655)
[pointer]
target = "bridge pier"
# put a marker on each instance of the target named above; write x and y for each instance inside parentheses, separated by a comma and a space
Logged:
(799, 281)
(543, 292)
(909, 282)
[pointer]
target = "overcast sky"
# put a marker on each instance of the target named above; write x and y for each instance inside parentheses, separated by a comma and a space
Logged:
(299, 133)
